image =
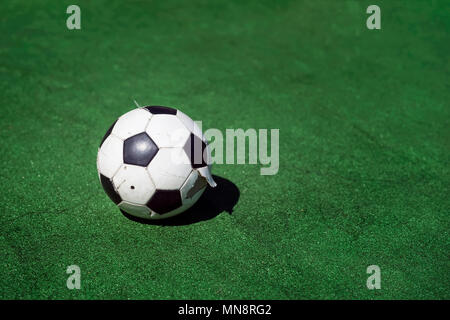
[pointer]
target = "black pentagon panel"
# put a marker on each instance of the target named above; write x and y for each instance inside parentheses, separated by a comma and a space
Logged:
(194, 149)
(107, 133)
(109, 189)
(139, 150)
(161, 110)
(164, 201)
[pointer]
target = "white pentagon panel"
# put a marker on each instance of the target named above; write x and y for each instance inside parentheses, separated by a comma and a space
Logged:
(135, 210)
(169, 169)
(133, 184)
(131, 123)
(190, 124)
(110, 156)
(186, 120)
(166, 130)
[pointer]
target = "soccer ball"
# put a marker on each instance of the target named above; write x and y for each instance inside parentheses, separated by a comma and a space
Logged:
(154, 162)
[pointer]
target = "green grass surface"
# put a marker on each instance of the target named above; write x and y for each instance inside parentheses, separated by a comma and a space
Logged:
(364, 148)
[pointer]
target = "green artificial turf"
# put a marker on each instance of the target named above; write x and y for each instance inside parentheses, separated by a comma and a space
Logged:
(364, 148)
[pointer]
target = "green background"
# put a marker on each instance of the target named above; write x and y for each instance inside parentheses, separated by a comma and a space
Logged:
(364, 147)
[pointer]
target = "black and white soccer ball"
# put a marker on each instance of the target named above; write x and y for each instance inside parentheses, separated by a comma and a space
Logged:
(154, 162)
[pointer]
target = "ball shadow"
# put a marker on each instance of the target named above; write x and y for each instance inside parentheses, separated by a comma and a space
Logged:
(212, 202)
